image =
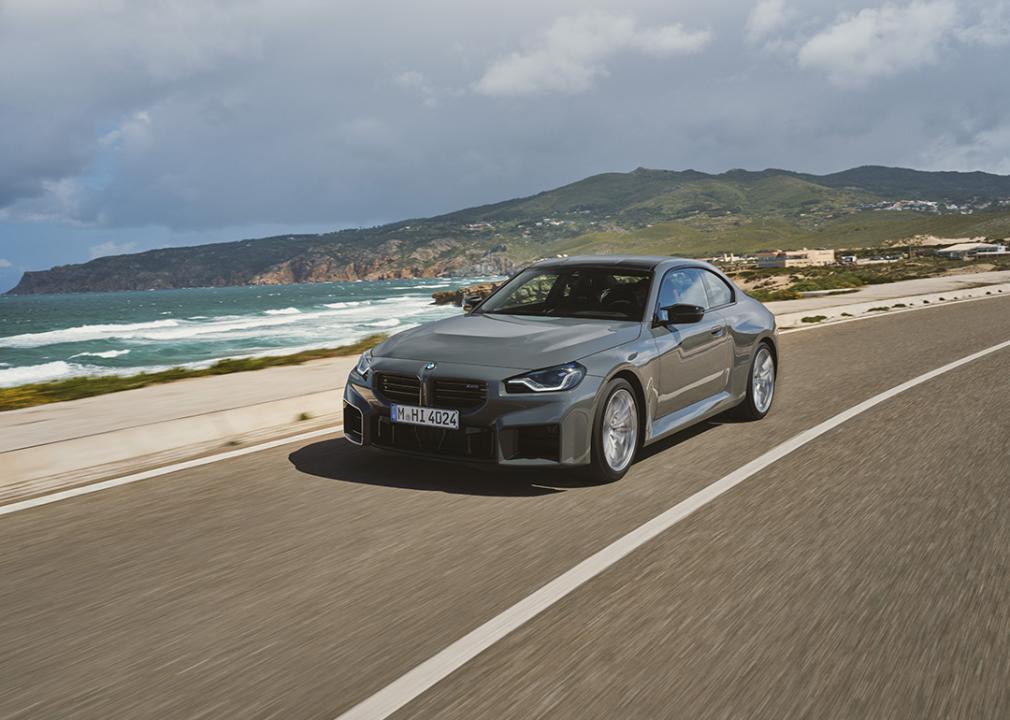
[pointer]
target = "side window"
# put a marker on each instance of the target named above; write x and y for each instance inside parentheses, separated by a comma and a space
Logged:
(683, 287)
(719, 293)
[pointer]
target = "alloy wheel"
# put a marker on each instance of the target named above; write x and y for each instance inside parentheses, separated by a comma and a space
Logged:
(763, 380)
(620, 430)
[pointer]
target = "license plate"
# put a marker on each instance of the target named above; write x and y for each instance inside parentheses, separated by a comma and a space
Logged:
(430, 417)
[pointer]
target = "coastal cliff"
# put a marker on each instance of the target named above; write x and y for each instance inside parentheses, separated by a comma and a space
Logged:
(263, 262)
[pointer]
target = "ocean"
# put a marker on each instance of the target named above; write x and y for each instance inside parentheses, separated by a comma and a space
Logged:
(50, 337)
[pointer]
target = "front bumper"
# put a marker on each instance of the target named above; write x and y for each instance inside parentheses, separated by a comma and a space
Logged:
(551, 429)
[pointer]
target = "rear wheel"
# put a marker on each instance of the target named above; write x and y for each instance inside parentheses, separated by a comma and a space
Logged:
(615, 432)
(760, 385)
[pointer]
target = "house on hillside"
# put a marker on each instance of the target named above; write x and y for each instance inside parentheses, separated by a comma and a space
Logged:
(795, 258)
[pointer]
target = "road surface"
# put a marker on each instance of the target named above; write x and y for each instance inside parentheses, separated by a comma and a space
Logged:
(864, 574)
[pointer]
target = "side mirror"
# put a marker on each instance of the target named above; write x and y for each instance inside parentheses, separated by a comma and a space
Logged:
(683, 314)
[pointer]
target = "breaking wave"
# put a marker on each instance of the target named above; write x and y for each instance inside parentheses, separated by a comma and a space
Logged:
(45, 372)
(107, 354)
(84, 333)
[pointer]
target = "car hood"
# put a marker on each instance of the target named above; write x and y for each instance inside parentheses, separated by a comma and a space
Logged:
(509, 341)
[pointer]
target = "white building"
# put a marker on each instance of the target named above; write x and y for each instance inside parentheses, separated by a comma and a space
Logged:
(972, 249)
(795, 258)
(727, 258)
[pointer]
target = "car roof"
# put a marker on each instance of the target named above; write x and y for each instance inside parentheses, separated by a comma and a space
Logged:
(637, 262)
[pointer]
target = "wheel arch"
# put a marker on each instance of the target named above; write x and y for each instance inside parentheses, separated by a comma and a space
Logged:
(772, 342)
(632, 379)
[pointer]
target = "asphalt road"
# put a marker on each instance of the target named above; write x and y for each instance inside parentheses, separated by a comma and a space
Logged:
(867, 574)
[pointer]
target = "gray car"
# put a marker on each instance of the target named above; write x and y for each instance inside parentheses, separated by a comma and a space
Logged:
(574, 362)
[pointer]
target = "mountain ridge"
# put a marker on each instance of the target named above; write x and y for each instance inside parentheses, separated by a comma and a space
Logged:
(654, 211)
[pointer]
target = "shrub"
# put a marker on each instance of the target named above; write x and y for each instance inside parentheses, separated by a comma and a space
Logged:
(834, 281)
(763, 295)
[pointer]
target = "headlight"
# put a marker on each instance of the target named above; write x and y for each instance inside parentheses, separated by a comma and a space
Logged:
(364, 364)
(562, 377)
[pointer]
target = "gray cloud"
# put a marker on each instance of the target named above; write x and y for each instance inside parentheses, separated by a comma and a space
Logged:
(570, 55)
(879, 42)
(765, 18)
(992, 27)
(200, 115)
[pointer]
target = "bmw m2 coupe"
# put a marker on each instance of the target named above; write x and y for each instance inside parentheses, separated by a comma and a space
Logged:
(574, 362)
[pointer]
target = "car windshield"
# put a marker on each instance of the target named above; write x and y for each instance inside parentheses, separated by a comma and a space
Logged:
(577, 292)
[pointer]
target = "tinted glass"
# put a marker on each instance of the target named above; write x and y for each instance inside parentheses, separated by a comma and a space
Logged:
(683, 287)
(531, 292)
(719, 293)
(573, 292)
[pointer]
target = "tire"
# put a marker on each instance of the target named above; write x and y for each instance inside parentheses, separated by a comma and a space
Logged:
(760, 385)
(614, 450)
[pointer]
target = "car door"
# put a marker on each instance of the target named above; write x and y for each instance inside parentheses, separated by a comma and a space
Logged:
(695, 358)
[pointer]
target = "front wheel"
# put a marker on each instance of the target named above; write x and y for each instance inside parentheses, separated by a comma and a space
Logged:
(760, 385)
(615, 432)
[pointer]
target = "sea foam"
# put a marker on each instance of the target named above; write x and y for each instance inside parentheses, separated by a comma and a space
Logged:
(102, 354)
(39, 373)
(84, 333)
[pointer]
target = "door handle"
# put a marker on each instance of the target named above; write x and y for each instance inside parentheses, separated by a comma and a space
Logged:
(717, 332)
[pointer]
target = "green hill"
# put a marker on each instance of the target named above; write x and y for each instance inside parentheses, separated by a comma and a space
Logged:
(644, 211)
(917, 184)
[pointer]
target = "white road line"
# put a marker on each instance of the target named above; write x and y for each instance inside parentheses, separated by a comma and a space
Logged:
(409, 686)
(148, 474)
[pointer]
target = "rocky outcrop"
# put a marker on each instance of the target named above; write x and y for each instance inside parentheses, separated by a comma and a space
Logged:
(435, 249)
(456, 297)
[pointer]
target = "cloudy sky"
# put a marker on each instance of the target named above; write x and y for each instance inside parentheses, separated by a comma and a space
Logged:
(129, 125)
